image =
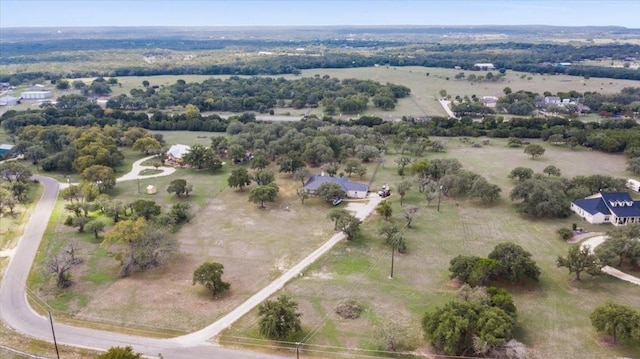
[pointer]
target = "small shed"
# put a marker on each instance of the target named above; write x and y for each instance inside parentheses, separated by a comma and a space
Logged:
(151, 189)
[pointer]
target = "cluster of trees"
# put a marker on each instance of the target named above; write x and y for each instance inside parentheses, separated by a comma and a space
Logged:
(481, 321)
(489, 77)
(140, 228)
(507, 261)
(621, 247)
(14, 185)
(446, 176)
(260, 94)
(408, 135)
(549, 194)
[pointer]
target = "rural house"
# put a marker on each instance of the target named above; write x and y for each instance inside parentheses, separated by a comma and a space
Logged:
(351, 189)
(174, 155)
(617, 208)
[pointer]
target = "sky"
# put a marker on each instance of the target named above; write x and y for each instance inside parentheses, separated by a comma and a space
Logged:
(58, 13)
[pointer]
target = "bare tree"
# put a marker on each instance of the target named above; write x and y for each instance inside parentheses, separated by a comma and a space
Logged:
(60, 265)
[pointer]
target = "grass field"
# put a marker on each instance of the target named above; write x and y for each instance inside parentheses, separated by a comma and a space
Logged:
(424, 89)
(552, 314)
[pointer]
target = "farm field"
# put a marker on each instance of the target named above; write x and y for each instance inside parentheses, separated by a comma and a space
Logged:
(257, 245)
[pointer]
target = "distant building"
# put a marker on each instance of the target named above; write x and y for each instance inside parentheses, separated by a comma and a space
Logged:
(36, 95)
(9, 101)
(484, 66)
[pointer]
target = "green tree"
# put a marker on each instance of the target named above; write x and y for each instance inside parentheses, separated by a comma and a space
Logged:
(403, 162)
(95, 226)
(104, 177)
(619, 321)
(350, 225)
(515, 263)
(487, 192)
(403, 188)
(279, 319)
(302, 174)
(145, 246)
(514, 142)
(329, 191)
(633, 166)
(622, 243)
(146, 209)
(147, 145)
(239, 178)
(451, 329)
(580, 259)
(521, 173)
(534, 150)
(290, 163)
(264, 193)
(351, 166)
(209, 274)
(260, 160)
(120, 353)
(393, 238)
(179, 213)
(180, 187)
(384, 209)
(264, 177)
(552, 170)
(335, 215)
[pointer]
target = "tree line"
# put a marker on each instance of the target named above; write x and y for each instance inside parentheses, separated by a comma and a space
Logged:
(532, 58)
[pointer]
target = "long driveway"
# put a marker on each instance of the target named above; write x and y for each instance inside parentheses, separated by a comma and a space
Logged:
(16, 311)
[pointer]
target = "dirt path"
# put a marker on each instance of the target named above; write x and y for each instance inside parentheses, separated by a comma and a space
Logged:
(593, 242)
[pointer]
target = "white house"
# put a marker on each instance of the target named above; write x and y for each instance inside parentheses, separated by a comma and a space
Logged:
(351, 189)
(617, 208)
(175, 153)
(633, 185)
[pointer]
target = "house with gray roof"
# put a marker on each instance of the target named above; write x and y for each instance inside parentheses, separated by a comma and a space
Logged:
(617, 208)
(351, 189)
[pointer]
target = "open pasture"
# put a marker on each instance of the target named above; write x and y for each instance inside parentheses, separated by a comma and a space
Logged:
(553, 314)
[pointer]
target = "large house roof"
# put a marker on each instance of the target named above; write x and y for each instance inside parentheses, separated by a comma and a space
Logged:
(177, 151)
(621, 204)
(314, 182)
(618, 203)
(592, 206)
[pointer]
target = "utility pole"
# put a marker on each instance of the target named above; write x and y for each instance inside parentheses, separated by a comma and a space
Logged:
(54, 336)
(439, 195)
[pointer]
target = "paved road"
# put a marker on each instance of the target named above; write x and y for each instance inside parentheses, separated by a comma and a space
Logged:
(15, 310)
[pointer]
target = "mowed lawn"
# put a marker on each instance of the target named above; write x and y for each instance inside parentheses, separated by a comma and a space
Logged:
(553, 314)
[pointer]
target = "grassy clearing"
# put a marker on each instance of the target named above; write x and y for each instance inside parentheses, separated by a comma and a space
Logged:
(552, 314)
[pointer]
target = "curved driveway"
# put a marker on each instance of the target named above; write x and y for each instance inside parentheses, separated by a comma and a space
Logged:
(16, 311)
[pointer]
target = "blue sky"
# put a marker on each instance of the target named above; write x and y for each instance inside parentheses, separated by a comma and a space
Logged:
(314, 12)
